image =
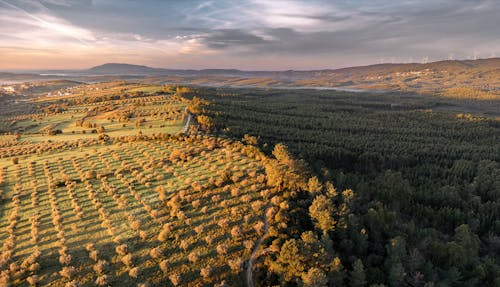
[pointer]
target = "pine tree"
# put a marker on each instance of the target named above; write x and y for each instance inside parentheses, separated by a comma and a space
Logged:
(315, 277)
(321, 210)
(314, 186)
(357, 275)
(396, 275)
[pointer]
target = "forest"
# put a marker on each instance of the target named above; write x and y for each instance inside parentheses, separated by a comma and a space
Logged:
(407, 188)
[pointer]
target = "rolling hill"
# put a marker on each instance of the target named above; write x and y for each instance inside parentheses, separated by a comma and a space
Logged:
(442, 77)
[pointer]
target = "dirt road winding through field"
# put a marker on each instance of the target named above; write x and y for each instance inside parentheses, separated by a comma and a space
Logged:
(249, 271)
(188, 120)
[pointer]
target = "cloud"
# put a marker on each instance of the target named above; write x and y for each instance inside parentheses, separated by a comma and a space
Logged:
(39, 26)
(224, 38)
(247, 33)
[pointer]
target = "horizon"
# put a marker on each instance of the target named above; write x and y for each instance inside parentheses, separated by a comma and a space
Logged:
(253, 35)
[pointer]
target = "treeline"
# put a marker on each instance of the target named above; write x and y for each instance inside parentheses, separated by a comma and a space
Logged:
(427, 204)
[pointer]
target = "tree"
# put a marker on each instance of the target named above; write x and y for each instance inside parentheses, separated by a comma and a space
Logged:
(314, 186)
(396, 275)
(467, 239)
(337, 272)
(321, 210)
(275, 174)
(393, 189)
(103, 138)
(251, 140)
(281, 153)
(205, 122)
(396, 253)
(289, 261)
(315, 277)
(357, 275)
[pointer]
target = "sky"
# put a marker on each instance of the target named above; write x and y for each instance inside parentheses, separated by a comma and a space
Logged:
(244, 34)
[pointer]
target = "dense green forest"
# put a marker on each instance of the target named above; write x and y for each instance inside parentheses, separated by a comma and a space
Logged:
(425, 210)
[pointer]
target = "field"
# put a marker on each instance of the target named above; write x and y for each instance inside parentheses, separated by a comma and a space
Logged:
(69, 119)
(131, 206)
(133, 203)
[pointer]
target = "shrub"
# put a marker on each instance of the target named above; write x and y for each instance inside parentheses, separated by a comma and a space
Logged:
(206, 272)
(194, 256)
(121, 249)
(33, 279)
(235, 264)
(90, 246)
(163, 235)
(223, 223)
(100, 267)
(209, 239)
(199, 229)
(127, 259)
(102, 280)
(259, 227)
(156, 253)
(14, 267)
(175, 279)
(143, 235)
(91, 174)
(134, 272)
(135, 224)
(67, 272)
(235, 192)
(248, 244)
(236, 232)
(34, 267)
(94, 255)
(164, 266)
(222, 249)
(65, 259)
(196, 204)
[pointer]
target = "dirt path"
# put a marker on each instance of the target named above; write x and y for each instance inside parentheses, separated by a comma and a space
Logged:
(249, 271)
(187, 122)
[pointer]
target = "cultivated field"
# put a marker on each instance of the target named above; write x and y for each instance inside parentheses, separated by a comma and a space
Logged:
(103, 190)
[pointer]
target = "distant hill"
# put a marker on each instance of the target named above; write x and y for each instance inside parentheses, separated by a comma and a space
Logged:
(483, 76)
(330, 77)
(122, 69)
(128, 69)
